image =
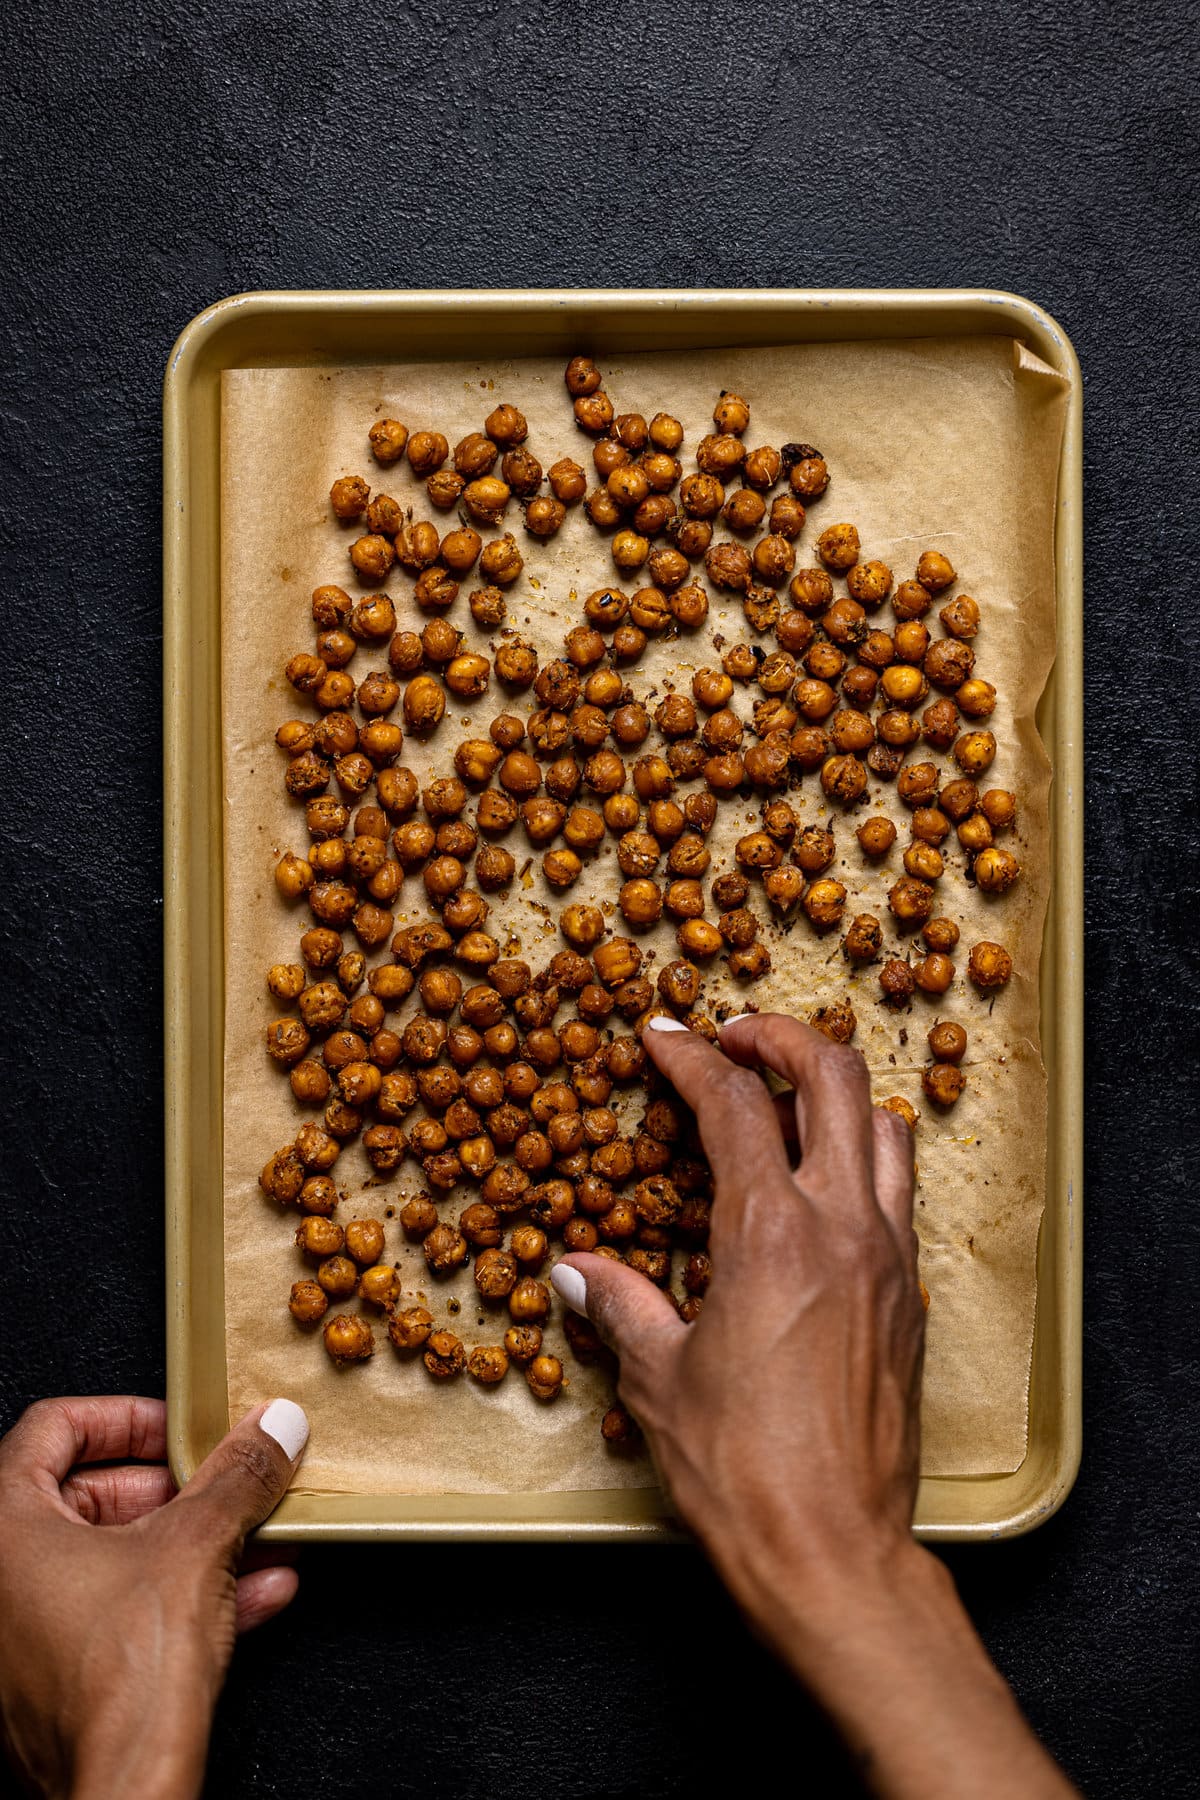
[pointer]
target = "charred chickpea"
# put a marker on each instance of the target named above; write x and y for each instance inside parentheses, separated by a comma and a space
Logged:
(864, 940)
(729, 567)
(844, 779)
(427, 451)
(948, 663)
(444, 1355)
(896, 982)
(750, 964)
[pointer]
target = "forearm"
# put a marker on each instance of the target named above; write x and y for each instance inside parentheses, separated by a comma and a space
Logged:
(900, 1670)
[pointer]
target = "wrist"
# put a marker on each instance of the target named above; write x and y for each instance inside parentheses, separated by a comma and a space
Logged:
(155, 1761)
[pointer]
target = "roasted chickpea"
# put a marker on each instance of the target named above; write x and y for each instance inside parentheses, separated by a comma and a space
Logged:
(897, 982)
(838, 547)
(729, 567)
(308, 1302)
(960, 616)
(475, 456)
(410, 1329)
(943, 1083)
(444, 488)
(947, 1041)
(427, 451)
(975, 752)
(349, 1338)
(529, 1301)
(934, 571)
(545, 1377)
(903, 1109)
(594, 412)
(824, 903)
(387, 438)
(844, 778)
(444, 1355)
(999, 808)
(996, 870)
(934, 973)
(904, 685)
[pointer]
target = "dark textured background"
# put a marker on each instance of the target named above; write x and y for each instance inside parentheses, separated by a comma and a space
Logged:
(159, 157)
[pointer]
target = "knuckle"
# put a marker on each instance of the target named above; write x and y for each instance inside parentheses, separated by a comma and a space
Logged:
(253, 1462)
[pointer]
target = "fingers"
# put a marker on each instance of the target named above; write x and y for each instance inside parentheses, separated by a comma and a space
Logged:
(263, 1593)
(894, 1172)
(832, 1094)
(52, 1436)
(737, 1122)
(242, 1481)
(118, 1496)
(632, 1316)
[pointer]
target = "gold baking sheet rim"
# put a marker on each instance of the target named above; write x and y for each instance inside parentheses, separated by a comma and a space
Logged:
(275, 329)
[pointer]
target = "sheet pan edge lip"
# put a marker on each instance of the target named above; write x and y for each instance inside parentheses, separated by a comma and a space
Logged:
(199, 329)
(1014, 310)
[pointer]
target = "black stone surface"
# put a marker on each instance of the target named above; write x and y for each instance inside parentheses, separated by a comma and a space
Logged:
(158, 157)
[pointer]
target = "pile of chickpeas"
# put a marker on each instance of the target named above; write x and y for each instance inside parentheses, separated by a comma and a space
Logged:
(505, 1081)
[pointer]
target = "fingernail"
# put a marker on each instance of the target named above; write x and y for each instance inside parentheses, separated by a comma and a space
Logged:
(736, 1019)
(570, 1285)
(664, 1025)
(287, 1423)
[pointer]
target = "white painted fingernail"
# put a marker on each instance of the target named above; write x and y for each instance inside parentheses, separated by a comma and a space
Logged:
(287, 1423)
(569, 1283)
(736, 1019)
(664, 1025)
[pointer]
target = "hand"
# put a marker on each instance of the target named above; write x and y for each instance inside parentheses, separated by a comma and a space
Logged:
(784, 1422)
(121, 1598)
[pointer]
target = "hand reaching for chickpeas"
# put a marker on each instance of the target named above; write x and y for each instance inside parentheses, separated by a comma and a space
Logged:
(122, 1598)
(784, 1421)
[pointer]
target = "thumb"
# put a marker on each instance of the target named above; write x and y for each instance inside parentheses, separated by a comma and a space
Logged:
(634, 1318)
(240, 1483)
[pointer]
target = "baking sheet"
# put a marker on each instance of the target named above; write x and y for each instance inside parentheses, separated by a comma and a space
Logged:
(951, 444)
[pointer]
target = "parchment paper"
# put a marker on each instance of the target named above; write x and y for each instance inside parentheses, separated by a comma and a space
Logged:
(946, 444)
